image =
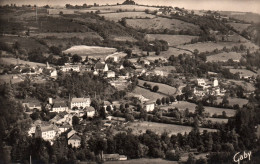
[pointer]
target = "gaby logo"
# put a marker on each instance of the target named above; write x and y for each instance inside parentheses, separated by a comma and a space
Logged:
(239, 157)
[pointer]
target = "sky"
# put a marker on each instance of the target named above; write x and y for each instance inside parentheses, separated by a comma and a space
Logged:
(221, 5)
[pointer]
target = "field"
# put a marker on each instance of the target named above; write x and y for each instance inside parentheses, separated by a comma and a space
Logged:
(159, 128)
(167, 69)
(27, 44)
(124, 8)
(118, 16)
(233, 101)
(218, 120)
(182, 105)
(224, 56)
(8, 78)
(163, 88)
(147, 93)
(122, 38)
(143, 161)
(243, 72)
(173, 51)
(247, 86)
(239, 26)
(161, 23)
(244, 16)
(90, 50)
(210, 46)
(62, 35)
(172, 40)
(14, 61)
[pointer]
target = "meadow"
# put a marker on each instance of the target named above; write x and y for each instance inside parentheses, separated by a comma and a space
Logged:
(182, 105)
(224, 56)
(163, 88)
(174, 51)
(243, 72)
(239, 26)
(118, 16)
(172, 40)
(233, 101)
(161, 23)
(9, 61)
(61, 35)
(147, 93)
(159, 128)
(116, 8)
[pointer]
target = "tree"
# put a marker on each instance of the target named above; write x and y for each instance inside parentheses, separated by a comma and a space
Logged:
(167, 100)
(191, 159)
(199, 109)
(75, 120)
(158, 102)
(155, 88)
(129, 117)
(102, 113)
(76, 58)
(172, 99)
(163, 100)
(225, 101)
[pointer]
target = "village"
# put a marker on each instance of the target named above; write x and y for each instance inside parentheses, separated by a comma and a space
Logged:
(127, 83)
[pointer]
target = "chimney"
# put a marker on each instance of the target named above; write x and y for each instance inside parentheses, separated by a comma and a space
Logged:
(50, 100)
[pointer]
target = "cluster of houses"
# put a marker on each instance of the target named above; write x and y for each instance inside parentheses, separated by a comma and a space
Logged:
(202, 88)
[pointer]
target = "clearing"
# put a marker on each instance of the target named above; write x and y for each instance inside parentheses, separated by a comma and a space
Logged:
(159, 128)
(163, 88)
(14, 61)
(233, 101)
(172, 40)
(161, 24)
(61, 35)
(173, 51)
(91, 51)
(118, 16)
(182, 105)
(152, 96)
(218, 120)
(124, 8)
(224, 57)
(243, 72)
(239, 26)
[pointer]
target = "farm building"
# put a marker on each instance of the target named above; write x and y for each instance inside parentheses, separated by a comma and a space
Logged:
(80, 102)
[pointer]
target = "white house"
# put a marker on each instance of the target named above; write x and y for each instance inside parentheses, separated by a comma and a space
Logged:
(74, 141)
(68, 68)
(201, 82)
(59, 107)
(149, 106)
(90, 111)
(111, 74)
(47, 132)
(215, 82)
(80, 102)
(64, 128)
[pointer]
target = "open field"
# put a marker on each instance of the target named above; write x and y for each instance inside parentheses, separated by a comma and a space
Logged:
(143, 161)
(62, 35)
(239, 26)
(147, 93)
(233, 101)
(182, 105)
(167, 69)
(172, 40)
(243, 72)
(27, 44)
(224, 56)
(218, 120)
(159, 128)
(9, 78)
(244, 16)
(124, 8)
(90, 51)
(118, 16)
(247, 86)
(161, 23)
(122, 38)
(163, 88)
(210, 46)
(14, 61)
(173, 51)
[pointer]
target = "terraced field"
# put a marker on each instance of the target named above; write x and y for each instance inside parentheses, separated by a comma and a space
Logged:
(223, 57)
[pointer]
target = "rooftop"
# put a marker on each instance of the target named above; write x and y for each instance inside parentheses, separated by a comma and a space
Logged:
(75, 137)
(77, 100)
(59, 104)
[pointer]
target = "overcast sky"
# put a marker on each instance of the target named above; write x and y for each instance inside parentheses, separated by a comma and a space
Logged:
(224, 5)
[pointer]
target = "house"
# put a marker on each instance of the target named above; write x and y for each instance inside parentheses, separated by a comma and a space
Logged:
(74, 141)
(32, 104)
(215, 82)
(60, 107)
(113, 157)
(80, 102)
(201, 82)
(149, 106)
(199, 91)
(106, 104)
(64, 128)
(110, 74)
(46, 132)
(100, 67)
(68, 68)
(90, 111)
(71, 133)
